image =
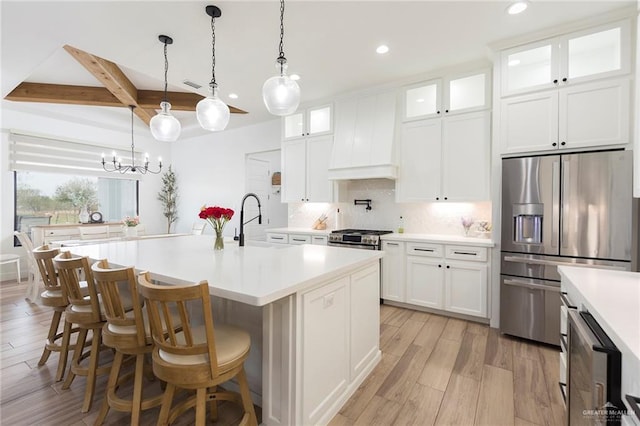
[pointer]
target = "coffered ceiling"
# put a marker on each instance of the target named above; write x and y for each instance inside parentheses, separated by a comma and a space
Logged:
(330, 44)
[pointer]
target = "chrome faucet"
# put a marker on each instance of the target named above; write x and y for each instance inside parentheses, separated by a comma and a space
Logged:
(242, 222)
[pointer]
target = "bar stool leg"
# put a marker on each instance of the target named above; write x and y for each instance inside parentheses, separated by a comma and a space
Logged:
(77, 352)
(64, 350)
(96, 341)
(51, 337)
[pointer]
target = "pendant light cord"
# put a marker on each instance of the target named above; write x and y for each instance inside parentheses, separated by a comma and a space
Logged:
(213, 53)
(166, 70)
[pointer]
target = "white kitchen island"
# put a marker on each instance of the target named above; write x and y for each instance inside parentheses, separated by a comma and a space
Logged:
(312, 311)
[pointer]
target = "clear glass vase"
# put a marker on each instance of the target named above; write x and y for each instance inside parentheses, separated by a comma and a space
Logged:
(219, 243)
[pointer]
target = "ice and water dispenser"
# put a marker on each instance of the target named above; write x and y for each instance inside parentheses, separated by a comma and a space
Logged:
(527, 223)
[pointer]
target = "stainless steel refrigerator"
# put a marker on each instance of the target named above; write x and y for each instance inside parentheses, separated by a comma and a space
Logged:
(569, 209)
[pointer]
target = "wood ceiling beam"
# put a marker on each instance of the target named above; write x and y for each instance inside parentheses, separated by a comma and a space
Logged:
(180, 101)
(100, 96)
(112, 77)
(63, 94)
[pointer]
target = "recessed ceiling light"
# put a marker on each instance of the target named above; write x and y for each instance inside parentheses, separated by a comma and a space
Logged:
(294, 77)
(382, 49)
(514, 62)
(517, 7)
(233, 96)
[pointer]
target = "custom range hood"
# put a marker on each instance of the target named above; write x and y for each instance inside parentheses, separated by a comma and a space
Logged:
(363, 146)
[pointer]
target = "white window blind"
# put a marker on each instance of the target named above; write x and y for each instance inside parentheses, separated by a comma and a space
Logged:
(36, 153)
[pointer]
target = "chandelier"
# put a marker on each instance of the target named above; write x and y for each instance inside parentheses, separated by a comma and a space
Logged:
(281, 94)
(164, 126)
(115, 165)
(212, 113)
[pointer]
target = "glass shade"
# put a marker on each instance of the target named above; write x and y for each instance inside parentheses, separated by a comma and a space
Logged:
(164, 126)
(280, 94)
(212, 113)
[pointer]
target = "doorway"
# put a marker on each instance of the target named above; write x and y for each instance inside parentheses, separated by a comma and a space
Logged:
(259, 167)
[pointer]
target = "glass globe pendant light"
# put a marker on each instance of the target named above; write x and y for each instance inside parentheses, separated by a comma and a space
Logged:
(281, 94)
(164, 126)
(212, 113)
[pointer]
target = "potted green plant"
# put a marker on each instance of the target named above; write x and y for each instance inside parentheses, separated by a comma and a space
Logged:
(168, 196)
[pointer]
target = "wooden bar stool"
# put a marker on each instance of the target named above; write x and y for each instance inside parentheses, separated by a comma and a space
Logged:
(54, 297)
(127, 331)
(195, 357)
(84, 310)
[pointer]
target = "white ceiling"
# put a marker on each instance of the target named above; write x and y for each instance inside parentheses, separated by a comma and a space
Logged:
(331, 44)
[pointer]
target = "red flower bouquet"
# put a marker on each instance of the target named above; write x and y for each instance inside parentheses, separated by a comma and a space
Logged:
(218, 218)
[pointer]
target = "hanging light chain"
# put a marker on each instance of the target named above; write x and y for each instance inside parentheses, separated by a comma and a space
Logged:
(213, 53)
(281, 30)
(166, 70)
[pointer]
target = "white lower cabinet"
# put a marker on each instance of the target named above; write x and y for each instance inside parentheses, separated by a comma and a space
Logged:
(365, 309)
(425, 280)
(393, 271)
(337, 332)
(325, 342)
(466, 288)
(452, 278)
(296, 237)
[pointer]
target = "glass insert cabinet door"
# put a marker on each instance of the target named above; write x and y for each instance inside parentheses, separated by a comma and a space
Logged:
(423, 100)
(308, 122)
(576, 57)
(467, 93)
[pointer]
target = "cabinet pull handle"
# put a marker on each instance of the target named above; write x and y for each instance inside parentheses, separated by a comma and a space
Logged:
(564, 80)
(555, 81)
(554, 144)
(566, 302)
(277, 238)
(446, 110)
(427, 250)
(438, 112)
(393, 244)
(297, 239)
(563, 143)
(439, 266)
(467, 253)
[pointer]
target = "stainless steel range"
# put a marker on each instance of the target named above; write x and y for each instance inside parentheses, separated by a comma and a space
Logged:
(357, 238)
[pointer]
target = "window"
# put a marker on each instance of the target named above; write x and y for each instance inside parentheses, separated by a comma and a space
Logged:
(53, 198)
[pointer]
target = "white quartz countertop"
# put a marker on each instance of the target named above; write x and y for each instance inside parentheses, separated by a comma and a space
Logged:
(300, 231)
(612, 297)
(438, 238)
(256, 274)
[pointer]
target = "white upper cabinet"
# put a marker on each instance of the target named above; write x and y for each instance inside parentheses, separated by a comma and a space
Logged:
(452, 94)
(445, 159)
(598, 52)
(305, 165)
(422, 100)
(580, 116)
(308, 122)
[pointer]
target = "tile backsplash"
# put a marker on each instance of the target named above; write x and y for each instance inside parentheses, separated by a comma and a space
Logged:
(429, 218)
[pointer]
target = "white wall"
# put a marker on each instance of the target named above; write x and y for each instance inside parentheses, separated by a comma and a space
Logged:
(211, 170)
(14, 118)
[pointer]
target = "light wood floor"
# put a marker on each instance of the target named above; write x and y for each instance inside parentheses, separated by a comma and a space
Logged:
(445, 371)
(434, 370)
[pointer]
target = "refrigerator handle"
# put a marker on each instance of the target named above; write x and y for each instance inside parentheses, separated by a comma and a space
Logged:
(564, 223)
(555, 194)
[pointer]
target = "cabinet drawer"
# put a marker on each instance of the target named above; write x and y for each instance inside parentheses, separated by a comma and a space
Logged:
(424, 249)
(320, 240)
(277, 238)
(64, 232)
(299, 239)
(478, 254)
